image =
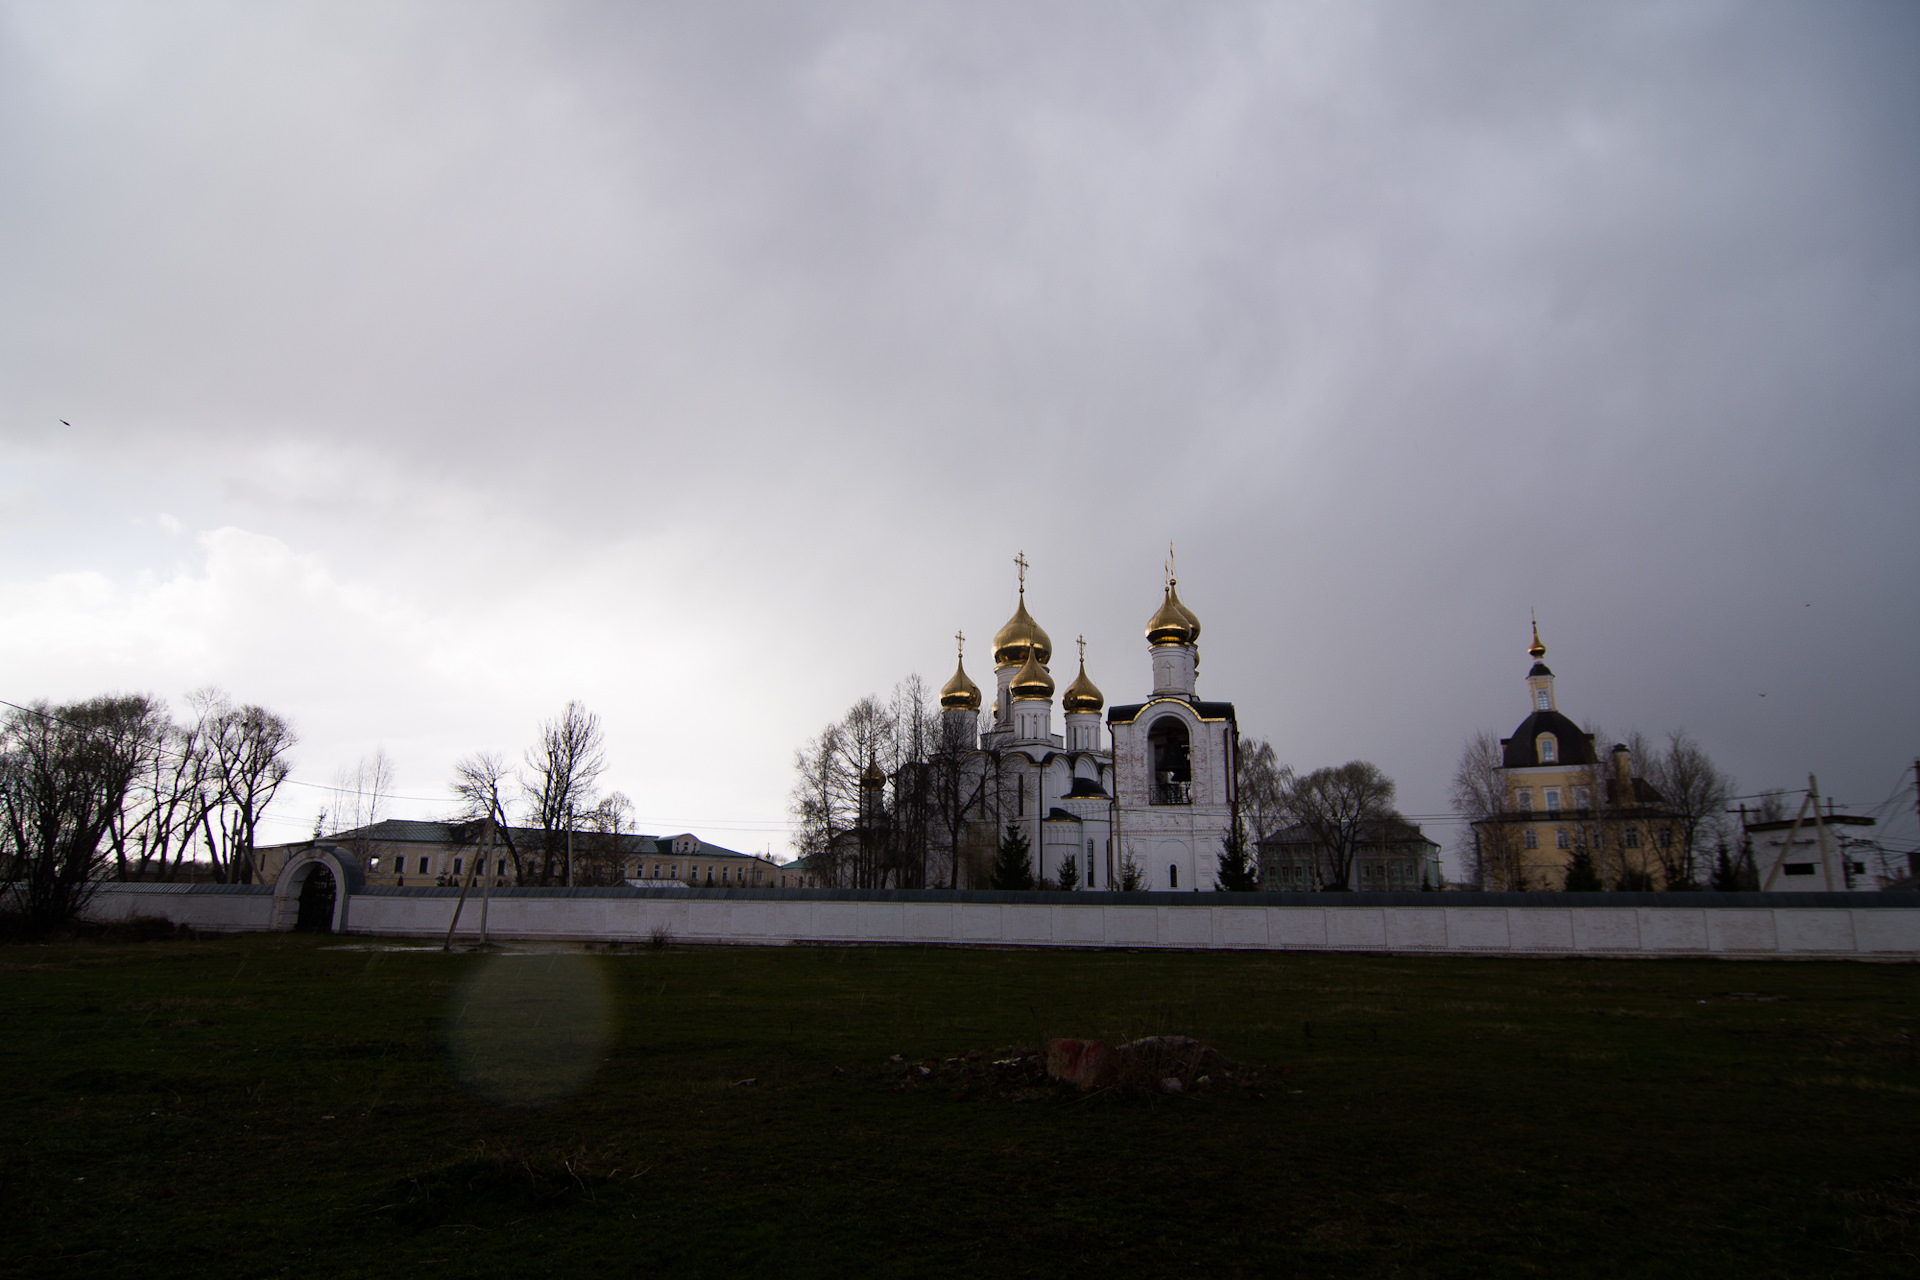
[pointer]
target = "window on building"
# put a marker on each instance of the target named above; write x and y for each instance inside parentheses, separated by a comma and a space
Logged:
(1553, 799)
(456, 866)
(1549, 749)
(1798, 868)
(1632, 838)
(1599, 838)
(1542, 701)
(424, 864)
(1666, 837)
(1582, 798)
(1524, 797)
(373, 864)
(1561, 840)
(502, 868)
(1531, 839)
(1173, 876)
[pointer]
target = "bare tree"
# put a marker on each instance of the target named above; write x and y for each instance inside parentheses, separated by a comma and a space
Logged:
(1772, 806)
(903, 832)
(1260, 784)
(910, 826)
(1336, 805)
(959, 779)
(479, 783)
(65, 773)
(247, 747)
(362, 792)
(600, 849)
(820, 820)
(562, 770)
(1696, 794)
(1479, 794)
(835, 833)
(152, 832)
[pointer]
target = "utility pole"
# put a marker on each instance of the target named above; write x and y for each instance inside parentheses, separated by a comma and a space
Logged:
(1793, 832)
(473, 865)
(1820, 827)
(569, 846)
(486, 882)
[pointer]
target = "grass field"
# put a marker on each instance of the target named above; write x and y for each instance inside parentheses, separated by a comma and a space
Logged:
(276, 1105)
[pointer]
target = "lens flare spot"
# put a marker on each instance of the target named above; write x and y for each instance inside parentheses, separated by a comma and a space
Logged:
(529, 1030)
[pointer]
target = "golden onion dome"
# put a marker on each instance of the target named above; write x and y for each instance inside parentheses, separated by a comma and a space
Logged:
(960, 692)
(1192, 620)
(1032, 680)
(1537, 649)
(873, 776)
(1081, 695)
(1172, 623)
(1020, 639)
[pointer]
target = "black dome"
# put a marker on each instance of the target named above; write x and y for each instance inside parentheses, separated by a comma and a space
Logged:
(1521, 752)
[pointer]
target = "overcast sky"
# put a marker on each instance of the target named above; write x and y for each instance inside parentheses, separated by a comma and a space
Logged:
(430, 365)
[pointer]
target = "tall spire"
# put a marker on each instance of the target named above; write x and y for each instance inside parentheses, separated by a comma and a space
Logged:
(1540, 677)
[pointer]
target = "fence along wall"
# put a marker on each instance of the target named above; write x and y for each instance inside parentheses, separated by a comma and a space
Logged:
(1883, 926)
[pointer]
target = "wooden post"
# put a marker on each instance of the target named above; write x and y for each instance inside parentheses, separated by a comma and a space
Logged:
(466, 883)
(1781, 857)
(1826, 866)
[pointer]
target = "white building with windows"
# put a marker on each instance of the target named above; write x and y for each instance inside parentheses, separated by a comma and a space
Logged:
(1812, 854)
(1153, 801)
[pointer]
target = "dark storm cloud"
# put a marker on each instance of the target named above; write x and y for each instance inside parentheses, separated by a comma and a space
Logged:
(1401, 319)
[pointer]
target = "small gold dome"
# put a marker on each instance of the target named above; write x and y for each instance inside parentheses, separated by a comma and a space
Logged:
(1172, 623)
(960, 692)
(1020, 639)
(1191, 619)
(1081, 694)
(1032, 680)
(873, 776)
(1537, 649)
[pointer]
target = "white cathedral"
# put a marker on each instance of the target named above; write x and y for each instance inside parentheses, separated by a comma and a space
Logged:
(1159, 799)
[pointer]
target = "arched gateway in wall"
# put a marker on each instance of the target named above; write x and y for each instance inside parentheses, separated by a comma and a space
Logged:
(315, 888)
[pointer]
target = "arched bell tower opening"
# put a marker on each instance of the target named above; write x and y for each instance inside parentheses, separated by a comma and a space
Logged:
(1172, 753)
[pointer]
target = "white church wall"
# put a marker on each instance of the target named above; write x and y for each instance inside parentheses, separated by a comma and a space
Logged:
(1200, 922)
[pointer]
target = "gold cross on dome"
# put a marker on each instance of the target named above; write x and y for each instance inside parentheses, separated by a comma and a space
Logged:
(1021, 560)
(1170, 578)
(1083, 651)
(960, 642)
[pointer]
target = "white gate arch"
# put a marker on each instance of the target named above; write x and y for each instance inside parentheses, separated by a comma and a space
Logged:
(348, 878)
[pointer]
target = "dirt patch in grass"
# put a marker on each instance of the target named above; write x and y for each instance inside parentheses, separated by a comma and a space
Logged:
(495, 1184)
(1151, 1067)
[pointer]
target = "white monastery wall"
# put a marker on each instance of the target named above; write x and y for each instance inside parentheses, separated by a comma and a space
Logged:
(1477, 924)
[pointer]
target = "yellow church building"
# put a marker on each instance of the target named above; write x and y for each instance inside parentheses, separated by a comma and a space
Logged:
(1559, 799)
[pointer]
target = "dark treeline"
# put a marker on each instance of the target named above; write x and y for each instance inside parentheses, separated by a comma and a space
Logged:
(115, 786)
